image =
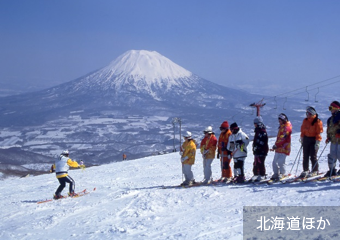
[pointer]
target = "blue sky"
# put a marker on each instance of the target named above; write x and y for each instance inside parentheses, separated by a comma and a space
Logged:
(283, 44)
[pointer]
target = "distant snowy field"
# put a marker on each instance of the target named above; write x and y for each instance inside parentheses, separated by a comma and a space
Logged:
(130, 204)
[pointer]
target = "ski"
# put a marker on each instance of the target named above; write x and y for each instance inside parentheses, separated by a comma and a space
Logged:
(79, 194)
(281, 180)
(246, 181)
(321, 179)
(184, 186)
(311, 179)
(261, 181)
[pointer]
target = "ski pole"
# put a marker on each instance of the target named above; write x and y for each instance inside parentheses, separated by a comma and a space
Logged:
(317, 160)
(297, 166)
(180, 140)
(333, 165)
(295, 159)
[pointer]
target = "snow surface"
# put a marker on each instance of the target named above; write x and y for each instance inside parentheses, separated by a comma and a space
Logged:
(130, 204)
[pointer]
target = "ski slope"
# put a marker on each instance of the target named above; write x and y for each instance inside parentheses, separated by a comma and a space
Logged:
(129, 203)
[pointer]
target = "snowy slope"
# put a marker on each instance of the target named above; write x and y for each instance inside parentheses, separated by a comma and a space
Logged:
(129, 204)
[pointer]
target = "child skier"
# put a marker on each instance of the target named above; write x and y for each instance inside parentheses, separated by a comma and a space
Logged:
(208, 150)
(237, 149)
(61, 168)
(223, 139)
(188, 153)
(281, 147)
(260, 149)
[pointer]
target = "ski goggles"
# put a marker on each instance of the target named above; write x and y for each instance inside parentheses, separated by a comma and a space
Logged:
(330, 108)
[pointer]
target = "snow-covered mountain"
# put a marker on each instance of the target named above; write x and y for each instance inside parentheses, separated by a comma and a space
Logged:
(140, 71)
(129, 203)
(128, 107)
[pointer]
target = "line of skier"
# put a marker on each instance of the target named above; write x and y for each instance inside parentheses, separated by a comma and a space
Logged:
(233, 142)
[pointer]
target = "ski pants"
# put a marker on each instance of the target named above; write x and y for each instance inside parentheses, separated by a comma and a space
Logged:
(279, 164)
(258, 167)
(309, 152)
(188, 175)
(63, 182)
(239, 166)
(334, 154)
(225, 166)
(207, 169)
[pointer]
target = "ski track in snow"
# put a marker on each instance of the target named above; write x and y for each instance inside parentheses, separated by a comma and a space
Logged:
(129, 202)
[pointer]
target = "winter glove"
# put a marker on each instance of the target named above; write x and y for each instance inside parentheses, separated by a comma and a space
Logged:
(327, 140)
(242, 147)
(184, 158)
(317, 145)
(274, 147)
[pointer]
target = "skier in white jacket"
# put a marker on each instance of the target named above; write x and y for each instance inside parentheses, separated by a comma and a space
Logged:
(237, 148)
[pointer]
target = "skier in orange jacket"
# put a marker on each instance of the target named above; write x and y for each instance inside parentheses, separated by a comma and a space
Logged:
(311, 130)
(208, 150)
(223, 139)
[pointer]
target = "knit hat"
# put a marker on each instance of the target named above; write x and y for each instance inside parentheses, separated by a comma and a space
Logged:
(311, 110)
(283, 117)
(258, 120)
(233, 126)
(225, 125)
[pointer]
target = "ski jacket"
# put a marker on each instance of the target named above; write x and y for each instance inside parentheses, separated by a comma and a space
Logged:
(260, 142)
(237, 144)
(209, 143)
(189, 150)
(223, 141)
(333, 128)
(283, 138)
(309, 130)
(62, 165)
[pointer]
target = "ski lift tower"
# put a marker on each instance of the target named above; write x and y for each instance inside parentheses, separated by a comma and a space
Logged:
(179, 121)
(258, 105)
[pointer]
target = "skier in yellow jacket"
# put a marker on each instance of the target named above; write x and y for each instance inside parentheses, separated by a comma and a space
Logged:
(188, 153)
(61, 168)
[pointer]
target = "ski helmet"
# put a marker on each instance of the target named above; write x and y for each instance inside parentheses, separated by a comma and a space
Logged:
(187, 135)
(283, 117)
(208, 130)
(65, 153)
